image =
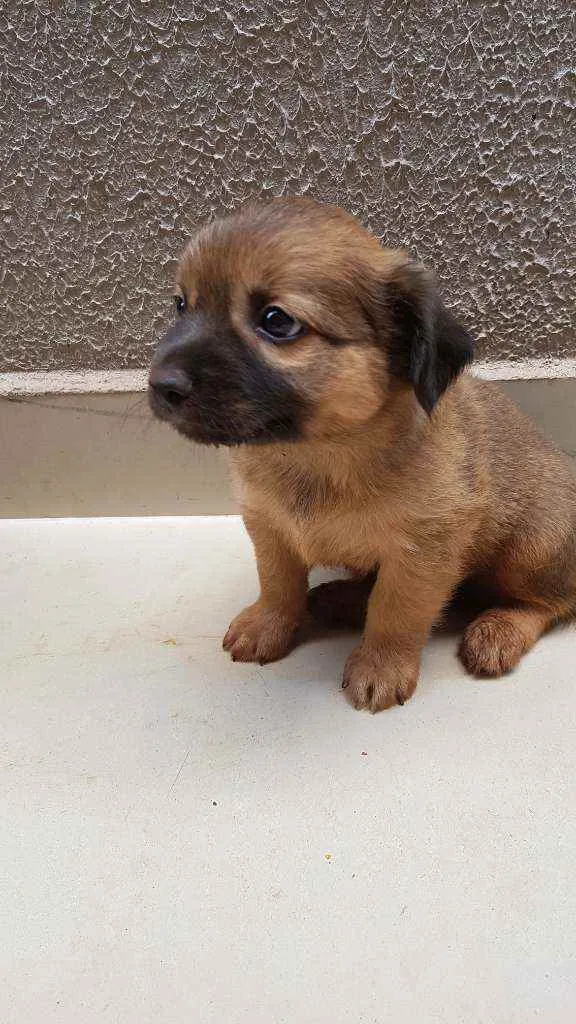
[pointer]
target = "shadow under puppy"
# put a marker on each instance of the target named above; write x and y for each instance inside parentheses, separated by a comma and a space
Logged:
(332, 370)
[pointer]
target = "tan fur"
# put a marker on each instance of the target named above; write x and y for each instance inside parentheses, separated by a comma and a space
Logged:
(376, 485)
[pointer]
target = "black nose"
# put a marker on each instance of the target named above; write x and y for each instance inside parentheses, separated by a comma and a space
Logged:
(172, 386)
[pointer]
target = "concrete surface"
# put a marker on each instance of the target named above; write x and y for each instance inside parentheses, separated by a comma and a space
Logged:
(190, 840)
(104, 455)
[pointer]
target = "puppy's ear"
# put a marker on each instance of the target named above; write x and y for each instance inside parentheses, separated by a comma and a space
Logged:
(428, 347)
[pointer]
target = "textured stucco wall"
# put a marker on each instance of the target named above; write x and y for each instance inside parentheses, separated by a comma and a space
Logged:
(445, 126)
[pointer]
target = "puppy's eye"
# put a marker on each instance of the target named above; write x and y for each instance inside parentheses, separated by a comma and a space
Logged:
(180, 303)
(278, 325)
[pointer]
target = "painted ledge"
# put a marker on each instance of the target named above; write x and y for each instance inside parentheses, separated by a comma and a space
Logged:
(106, 381)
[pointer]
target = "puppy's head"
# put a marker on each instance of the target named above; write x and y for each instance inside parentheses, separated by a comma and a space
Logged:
(293, 323)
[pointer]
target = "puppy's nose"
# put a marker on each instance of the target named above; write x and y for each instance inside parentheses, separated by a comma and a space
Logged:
(172, 386)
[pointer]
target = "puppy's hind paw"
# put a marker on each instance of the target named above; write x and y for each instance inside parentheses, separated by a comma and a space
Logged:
(493, 644)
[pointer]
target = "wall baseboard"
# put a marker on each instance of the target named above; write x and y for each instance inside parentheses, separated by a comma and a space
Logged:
(118, 381)
(105, 455)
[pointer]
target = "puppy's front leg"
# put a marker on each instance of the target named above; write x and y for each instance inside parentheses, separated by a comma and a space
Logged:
(406, 600)
(265, 631)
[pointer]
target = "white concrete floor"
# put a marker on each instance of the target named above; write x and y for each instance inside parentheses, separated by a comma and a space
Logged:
(190, 840)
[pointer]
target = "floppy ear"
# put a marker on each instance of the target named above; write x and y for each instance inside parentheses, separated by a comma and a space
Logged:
(428, 347)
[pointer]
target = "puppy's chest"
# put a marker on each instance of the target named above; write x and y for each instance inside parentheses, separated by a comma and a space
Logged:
(325, 525)
(338, 538)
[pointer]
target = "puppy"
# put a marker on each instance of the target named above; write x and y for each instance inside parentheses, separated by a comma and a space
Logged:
(332, 370)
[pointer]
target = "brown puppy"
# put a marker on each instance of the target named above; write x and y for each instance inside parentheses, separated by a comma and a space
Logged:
(332, 369)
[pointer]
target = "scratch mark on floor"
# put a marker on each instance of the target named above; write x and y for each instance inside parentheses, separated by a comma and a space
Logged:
(180, 770)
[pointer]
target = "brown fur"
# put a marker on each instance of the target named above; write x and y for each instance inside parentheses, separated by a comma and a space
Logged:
(373, 483)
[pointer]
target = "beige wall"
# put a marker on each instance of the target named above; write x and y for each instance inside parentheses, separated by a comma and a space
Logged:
(443, 125)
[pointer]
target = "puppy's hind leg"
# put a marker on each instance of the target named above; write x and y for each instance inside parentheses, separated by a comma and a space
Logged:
(538, 589)
(341, 603)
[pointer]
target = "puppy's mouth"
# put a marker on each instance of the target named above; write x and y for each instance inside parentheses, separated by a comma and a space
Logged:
(230, 431)
(267, 433)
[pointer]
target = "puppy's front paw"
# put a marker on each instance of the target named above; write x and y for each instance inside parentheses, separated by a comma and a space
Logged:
(259, 634)
(375, 678)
